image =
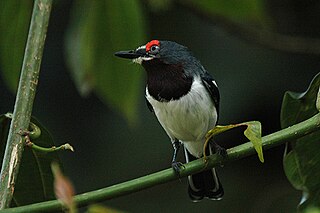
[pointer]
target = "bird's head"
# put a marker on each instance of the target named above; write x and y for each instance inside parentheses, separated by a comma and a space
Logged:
(170, 68)
(167, 52)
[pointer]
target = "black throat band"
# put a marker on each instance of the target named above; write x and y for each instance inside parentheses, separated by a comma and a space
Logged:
(166, 82)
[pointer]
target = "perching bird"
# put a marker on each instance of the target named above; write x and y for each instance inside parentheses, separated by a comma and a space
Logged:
(185, 99)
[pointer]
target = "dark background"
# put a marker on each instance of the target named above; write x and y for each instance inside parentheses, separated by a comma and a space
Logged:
(252, 81)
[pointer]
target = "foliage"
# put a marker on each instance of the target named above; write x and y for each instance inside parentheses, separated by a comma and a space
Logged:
(247, 11)
(97, 30)
(14, 22)
(252, 132)
(302, 161)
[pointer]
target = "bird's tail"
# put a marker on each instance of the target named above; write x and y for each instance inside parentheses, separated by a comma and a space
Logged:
(205, 184)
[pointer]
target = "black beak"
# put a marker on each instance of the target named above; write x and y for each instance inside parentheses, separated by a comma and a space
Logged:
(131, 54)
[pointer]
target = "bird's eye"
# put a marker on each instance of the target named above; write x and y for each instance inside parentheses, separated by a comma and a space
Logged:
(154, 49)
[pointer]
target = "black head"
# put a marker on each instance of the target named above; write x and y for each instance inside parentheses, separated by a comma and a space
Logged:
(168, 52)
(170, 68)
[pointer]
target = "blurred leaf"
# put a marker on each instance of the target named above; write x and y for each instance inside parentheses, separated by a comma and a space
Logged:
(14, 23)
(34, 181)
(312, 210)
(250, 11)
(97, 30)
(102, 209)
(252, 132)
(158, 6)
(302, 162)
(63, 188)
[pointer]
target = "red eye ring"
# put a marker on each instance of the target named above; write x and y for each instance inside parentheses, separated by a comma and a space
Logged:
(152, 43)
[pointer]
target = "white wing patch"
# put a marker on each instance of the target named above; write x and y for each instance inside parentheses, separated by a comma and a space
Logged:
(215, 83)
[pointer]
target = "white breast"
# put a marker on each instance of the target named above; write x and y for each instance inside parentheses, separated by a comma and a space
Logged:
(189, 118)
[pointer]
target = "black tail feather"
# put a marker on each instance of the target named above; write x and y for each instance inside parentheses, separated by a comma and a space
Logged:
(205, 184)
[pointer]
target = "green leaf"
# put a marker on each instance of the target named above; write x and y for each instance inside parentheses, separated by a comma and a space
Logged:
(250, 11)
(252, 132)
(97, 30)
(14, 23)
(35, 179)
(219, 129)
(97, 208)
(297, 107)
(158, 6)
(312, 210)
(302, 162)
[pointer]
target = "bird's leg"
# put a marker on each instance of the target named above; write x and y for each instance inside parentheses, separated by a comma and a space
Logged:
(217, 148)
(176, 165)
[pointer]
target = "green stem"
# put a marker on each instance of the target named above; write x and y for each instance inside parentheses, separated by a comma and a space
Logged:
(51, 149)
(24, 100)
(138, 184)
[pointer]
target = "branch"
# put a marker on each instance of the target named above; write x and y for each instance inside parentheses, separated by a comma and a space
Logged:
(148, 181)
(24, 100)
(272, 40)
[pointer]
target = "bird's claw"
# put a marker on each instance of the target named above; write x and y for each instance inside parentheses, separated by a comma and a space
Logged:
(218, 149)
(177, 166)
(221, 151)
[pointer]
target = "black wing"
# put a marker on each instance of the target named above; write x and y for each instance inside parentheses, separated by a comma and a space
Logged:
(212, 88)
(149, 105)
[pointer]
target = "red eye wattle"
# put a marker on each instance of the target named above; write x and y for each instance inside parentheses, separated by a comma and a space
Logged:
(152, 43)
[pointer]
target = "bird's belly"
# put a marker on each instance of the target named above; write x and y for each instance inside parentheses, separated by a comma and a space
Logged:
(189, 118)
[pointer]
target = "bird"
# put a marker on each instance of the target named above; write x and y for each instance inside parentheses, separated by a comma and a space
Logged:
(185, 99)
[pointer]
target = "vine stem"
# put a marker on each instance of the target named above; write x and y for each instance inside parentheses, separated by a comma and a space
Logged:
(138, 184)
(24, 99)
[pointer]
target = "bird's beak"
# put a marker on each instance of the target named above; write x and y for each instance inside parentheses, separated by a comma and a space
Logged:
(131, 54)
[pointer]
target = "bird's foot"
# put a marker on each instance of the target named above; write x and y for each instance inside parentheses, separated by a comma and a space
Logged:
(177, 166)
(219, 149)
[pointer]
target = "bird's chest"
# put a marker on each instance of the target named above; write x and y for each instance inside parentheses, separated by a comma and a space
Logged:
(187, 118)
(166, 82)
